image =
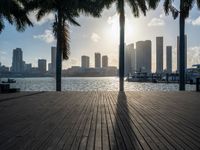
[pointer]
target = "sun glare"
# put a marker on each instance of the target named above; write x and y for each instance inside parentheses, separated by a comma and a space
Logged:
(130, 29)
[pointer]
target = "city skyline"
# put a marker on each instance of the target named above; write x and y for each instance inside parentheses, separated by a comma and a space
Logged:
(102, 35)
(138, 57)
(21, 66)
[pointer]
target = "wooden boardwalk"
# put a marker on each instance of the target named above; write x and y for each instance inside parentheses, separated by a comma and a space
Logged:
(100, 120)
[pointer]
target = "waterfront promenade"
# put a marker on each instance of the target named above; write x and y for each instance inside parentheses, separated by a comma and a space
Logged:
(100, 120)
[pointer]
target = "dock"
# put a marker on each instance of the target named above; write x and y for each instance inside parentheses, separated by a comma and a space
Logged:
(100, 120)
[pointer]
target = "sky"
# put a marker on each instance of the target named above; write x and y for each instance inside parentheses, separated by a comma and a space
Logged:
(102, 35)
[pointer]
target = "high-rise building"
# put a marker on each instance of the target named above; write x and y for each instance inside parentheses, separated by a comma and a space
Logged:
(104, 61)
(42, 65)
(159, 54)
(53, 59)
(85, 61)
(169, 59)
(23, 65)
(97, 60)
(49, 67)
(130, 59)
(17, 60)
(178, 54)
(27, 67)
(143, 55)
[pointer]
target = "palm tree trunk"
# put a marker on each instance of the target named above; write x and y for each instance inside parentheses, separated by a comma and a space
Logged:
(59, 54)
(121, 47)
(182, 49)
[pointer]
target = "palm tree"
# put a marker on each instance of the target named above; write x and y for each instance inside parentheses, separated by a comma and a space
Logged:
(13, 11)
(136, 6)
(66, 12)
(184, 9)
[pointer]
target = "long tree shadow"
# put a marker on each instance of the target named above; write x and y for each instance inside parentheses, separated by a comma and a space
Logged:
(123, 126)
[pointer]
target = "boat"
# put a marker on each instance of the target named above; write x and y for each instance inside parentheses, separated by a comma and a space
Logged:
(193, 73)
(138, 77)
(9, 81)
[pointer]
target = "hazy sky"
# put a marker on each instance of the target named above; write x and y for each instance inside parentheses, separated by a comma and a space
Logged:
(101, 35)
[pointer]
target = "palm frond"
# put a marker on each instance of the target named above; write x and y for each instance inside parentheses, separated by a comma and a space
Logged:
(73, 21)
(134, 7)
(198, 3)
(90, 7)
(142, 6)
(174, 11)
(65, 47)
(1, 23)
(15, 13)
(167, 5)
(120, 6)
(152, 4)
(187, 6)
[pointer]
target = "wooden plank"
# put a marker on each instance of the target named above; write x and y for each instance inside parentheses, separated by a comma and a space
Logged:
(158, 124)
(104, 126)
(98, 142)
(129, 141)
(78, 135)
(84, 139)
(100, 120)
(72, 124)
(91, 139)
(138, 137)
(117, 131)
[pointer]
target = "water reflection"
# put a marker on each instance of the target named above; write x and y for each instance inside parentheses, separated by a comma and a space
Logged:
(91, 84)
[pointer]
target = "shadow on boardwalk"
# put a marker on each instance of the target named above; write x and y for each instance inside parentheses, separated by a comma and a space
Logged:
(100, 120)
(123, 128)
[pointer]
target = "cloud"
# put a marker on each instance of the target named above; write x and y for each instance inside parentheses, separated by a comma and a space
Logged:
(196, 22)
(112, 19)
(193, 55)
(156, 22)
(95, 37)
(47, 18)
(47, 36)
(188, 20)
(3, 53)
(162, 15)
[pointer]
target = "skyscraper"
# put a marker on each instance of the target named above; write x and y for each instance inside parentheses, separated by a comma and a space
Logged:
(49, 67)
(143, 56)
(97, 60)
(53, 59)
(85, 61)
(130, 59)
(105, 61)
(159, 54)
(27, 67)
(42, 65)
(178, 54)
(17, 60)
(169, 59)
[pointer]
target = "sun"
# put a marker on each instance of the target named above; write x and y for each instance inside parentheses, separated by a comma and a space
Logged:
(114, 30)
